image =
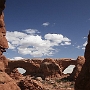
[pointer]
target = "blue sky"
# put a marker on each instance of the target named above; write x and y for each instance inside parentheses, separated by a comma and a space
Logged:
(47, 28)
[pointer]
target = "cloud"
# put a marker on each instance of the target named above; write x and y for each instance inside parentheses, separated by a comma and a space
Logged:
(66, 43)
(58, 39)
(31, 31)
(84, 45)
(84, 37)
(11, 46)
(46, 24)
(35, 45)
(16, 58)
(78, 47)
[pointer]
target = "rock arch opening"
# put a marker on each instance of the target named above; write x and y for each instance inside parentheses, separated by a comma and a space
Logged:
(21, 70)
(69, 69)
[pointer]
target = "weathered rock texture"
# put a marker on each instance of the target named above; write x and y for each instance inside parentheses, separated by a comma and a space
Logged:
(79, 64)
(28, 65)
(83, 80)
(3, 40)
(15, 74)
(6, 83)
(49, 68)
(29, 84)
(65, 62)
(43, 68)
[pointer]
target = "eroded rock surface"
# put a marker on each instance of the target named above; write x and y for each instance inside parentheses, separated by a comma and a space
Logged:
(83, 80)
(15, 74)
(30, 84)
(30, 67)
(6, 83)
(44, 68)
(49, 68)
(79, 64)
(65, 62)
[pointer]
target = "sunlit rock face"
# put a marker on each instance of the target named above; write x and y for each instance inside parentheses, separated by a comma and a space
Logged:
(6, 83)
(47, 67)
(83, 80)
(79, 64)
(50, 68)
(3, 40)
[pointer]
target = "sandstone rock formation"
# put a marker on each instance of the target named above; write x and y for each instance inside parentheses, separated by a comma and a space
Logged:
(49, 68)
(15, 74)
(43, 68)
(83, 80)
(6, 83)
(79, 64)
(29, 84)
(65, 62)
(3, 40)
(30, 67)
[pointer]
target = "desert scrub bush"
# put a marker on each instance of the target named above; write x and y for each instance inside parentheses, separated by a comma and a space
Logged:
(72, 85)
(65, 80)
(49, 82)
(58, 80)
(61, 80)
(43, 82)
(54, 85)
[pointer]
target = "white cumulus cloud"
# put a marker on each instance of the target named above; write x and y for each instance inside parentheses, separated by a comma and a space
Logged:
(34, 44)
(46, 24)
(58, 39)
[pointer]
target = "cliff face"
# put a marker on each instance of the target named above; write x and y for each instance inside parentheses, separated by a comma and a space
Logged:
(3, 40)
(83, 80)
(6, 83)
(79, 64)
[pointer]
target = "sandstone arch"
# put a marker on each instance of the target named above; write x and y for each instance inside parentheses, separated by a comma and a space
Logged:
(69, 69)
(64, 63)
(47, 67)
(21, 70)
(28, 65)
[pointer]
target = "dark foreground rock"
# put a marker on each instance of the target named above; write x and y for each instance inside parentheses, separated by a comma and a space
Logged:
(83, 80)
